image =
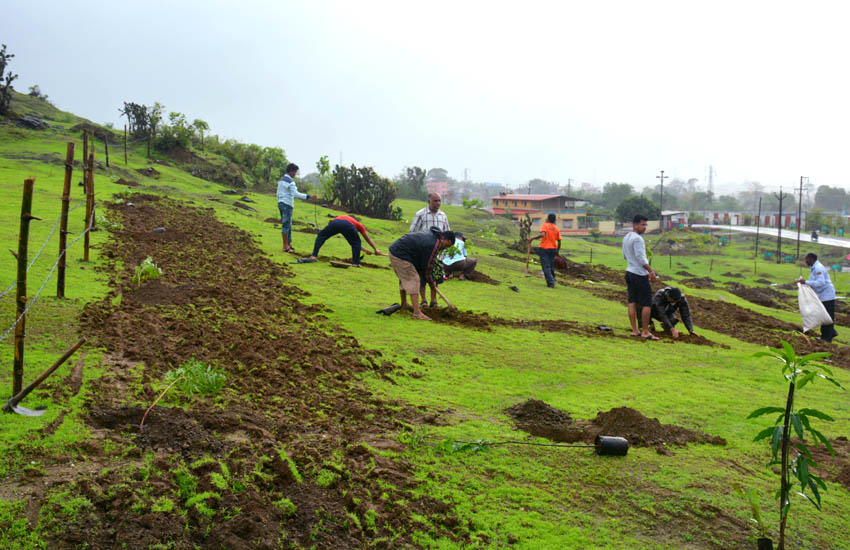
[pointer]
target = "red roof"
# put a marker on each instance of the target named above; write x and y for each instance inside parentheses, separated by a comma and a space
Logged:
(526, 197)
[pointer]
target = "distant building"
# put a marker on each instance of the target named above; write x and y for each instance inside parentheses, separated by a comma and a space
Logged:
(673, 218)
(441, 187)
(570, 212)
(788, 220)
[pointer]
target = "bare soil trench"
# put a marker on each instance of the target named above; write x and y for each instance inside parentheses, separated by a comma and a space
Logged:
(286, 452)
(723, 317)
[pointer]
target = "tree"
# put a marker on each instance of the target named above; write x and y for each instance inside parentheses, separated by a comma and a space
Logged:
(637, 205)
(437, 174)
(201, 126)
(35, 91)
(538, 186)
(5, 82)
(831, 198)
(363, 191)
(728, 202)
(749, 198)
(615, 193)
(411, 183)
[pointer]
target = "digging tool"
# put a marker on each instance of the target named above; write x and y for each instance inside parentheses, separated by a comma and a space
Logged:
(443, 296)
(527, 257)
(344, 265)
(12, 404)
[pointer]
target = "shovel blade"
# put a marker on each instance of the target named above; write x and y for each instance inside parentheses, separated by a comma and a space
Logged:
(28, 412)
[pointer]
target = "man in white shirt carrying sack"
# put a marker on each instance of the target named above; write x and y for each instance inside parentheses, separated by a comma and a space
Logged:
(822, 285)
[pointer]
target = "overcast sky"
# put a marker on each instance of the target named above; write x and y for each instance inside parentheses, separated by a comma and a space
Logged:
(588, 91)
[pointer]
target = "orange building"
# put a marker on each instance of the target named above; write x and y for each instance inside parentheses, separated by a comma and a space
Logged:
(570, 212)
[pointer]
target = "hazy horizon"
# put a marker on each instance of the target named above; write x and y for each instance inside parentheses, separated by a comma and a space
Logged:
(588, 92)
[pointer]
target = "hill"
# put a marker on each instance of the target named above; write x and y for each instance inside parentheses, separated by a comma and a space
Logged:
(337, 427)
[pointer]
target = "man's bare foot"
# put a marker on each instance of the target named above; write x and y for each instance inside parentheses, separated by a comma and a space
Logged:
(649, 336)
(421, 316)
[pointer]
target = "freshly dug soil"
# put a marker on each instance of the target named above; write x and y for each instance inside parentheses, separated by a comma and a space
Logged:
(767, 297)
(734, 275)
(290, 402)
(128, 183)
(481, 277)
(699, 282)
(542, 420)
(685, 274)
(149, 172)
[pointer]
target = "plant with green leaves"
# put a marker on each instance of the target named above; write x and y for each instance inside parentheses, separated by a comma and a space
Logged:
(146, 271)
(193, 377)
(798, 371)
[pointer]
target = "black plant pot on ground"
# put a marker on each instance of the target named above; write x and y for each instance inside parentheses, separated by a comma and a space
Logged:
(765, 544)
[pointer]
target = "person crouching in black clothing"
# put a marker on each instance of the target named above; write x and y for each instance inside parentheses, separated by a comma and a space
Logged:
(666, 303)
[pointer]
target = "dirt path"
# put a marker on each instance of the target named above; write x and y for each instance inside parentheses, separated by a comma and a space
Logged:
(285, 453)
(723, 317)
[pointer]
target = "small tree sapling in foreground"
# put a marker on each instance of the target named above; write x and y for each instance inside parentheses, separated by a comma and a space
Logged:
(796, 469)
(146, 271)
(193, 377)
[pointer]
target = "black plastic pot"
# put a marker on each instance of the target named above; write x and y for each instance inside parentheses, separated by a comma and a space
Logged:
(607, 445)
(389, 310)
(765, 544)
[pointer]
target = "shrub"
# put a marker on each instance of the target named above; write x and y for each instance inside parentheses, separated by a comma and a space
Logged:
(363, 191)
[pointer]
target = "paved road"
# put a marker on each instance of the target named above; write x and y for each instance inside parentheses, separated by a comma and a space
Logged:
(790, 234)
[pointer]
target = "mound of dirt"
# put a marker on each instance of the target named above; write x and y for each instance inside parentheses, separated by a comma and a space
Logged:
(480, 277)
(243, 206)
(699, 282)
(272, 220)
(734, 275)
(764, 281)
(762, 296)
(510, 257)
(542, 420)
(128, 183)
(149, 172)
(685, 274)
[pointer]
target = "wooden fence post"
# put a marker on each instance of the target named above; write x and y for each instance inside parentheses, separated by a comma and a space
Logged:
(125, 144)
(85, 158)
(63, 224)
(89, 207)
(21, 301)
(106, 147)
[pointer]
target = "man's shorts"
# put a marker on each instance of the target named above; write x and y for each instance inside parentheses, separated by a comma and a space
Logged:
(408, 277)
(640, 291)
(285, 217)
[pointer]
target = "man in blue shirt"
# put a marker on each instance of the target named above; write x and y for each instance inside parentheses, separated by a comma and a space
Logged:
(286, 193)
(822, 285)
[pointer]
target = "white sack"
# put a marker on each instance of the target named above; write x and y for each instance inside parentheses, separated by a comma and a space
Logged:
(811, 308)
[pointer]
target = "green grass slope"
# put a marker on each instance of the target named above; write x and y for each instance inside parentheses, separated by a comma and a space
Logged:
(517, 496)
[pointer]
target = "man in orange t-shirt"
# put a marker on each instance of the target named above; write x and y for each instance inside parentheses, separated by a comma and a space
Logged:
(550, 246)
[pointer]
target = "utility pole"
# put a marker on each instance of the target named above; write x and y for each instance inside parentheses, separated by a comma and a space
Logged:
(569, 186)
(758, 225)
(799, 214)
(781, 196)
(661, 200)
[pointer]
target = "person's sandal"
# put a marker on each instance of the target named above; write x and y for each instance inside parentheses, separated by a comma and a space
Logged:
(423, 304)
(433, 304)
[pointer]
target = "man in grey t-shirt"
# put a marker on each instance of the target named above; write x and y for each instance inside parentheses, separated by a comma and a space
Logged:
(638, 275)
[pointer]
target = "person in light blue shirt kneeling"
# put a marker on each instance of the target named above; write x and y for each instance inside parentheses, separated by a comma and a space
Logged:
(459, 261)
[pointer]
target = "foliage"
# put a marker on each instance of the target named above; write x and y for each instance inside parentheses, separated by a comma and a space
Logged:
(798, 371)
(637, 205)
(524, 232)
(5, 82)
(831, 198)
(752, 499)
(146, 271)
(195, 377)
(200, 126)
(411, 184)
(538, 186)
(615, 193)
(326, 178)
(473, 203)
(363, 191)
(138, 118)
(35, 91)
(176, 135)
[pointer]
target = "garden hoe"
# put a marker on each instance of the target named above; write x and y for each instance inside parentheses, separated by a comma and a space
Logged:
(12, 404)
(443, 296)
